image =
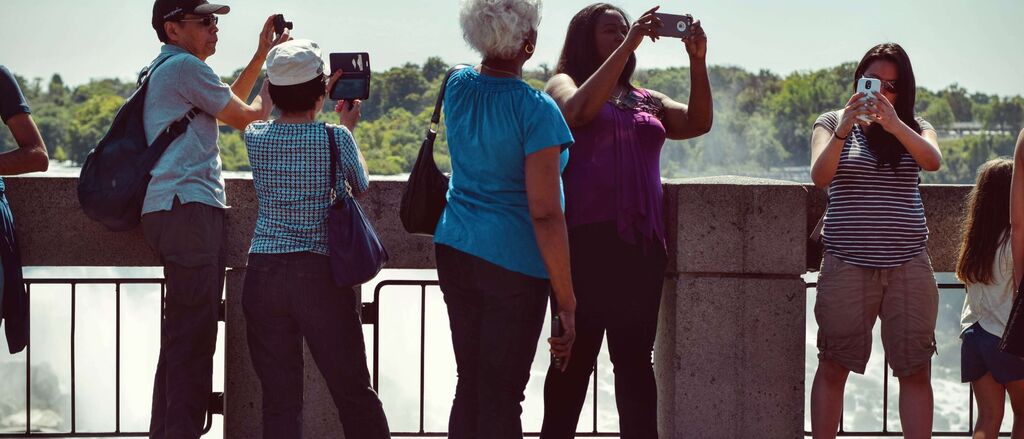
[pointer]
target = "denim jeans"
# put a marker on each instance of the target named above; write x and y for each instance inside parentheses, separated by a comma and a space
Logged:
(189, 239)
(496, 317)
(290, 297)
(618, 292)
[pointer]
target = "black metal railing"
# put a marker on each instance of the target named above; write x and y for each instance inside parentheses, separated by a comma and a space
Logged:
(73, 432)
(885, 431)
(371, 313)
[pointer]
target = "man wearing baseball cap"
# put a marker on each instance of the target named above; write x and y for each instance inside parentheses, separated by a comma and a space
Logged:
(183, 213)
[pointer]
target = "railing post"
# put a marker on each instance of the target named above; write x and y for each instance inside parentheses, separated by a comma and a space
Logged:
(729, 357)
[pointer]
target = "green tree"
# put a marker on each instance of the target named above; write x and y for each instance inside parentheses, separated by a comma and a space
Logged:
(434, 68)
(90, 122)
(233, 155)
(57, 92)
(939, 113)
(959, 103)
(400, 87)
(52, 120)
(801, 99)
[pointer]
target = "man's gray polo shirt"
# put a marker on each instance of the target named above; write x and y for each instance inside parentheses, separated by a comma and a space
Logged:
(190, 168)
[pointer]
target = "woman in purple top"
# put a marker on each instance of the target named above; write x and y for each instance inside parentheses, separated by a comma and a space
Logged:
(614, 208)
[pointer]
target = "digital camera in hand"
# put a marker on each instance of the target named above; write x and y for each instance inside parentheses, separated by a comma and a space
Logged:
(280, 24)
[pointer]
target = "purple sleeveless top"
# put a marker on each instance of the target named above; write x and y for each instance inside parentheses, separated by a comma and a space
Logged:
(614, 171)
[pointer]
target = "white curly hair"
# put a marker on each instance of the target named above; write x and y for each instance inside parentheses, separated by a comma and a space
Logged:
(498, 28)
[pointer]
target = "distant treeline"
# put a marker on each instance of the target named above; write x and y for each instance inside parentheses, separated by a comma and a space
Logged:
(762, 120)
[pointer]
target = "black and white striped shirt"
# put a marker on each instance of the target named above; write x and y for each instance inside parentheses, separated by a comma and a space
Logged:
(875, 218)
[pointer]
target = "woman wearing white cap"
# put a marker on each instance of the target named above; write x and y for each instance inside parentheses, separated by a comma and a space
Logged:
(289, 294)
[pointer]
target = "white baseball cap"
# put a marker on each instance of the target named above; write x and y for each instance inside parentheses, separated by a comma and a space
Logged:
(294, 62)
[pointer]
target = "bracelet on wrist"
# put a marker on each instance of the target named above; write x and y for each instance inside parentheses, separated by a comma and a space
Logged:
(836, 135)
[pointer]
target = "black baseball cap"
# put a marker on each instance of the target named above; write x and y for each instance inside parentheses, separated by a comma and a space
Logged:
(170, 10)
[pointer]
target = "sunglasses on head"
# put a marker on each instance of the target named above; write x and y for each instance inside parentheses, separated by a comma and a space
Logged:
(206, 21)
(889, 86)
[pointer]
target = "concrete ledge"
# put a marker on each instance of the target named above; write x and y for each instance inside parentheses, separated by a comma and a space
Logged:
(54, 231)
(739, 225)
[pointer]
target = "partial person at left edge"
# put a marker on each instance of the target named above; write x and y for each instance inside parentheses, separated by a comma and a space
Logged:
(183, 215)
(29, 156)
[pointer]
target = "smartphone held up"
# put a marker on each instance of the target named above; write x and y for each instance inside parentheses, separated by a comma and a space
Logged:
(674, 26)
(869, 87)
(355, 76)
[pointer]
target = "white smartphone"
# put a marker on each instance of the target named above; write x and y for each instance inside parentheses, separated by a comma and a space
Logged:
(868, 86)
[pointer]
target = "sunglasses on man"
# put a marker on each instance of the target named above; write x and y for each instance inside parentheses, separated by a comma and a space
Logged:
(206, 21)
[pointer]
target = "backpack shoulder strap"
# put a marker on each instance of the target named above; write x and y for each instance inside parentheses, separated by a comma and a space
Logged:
(144, 74)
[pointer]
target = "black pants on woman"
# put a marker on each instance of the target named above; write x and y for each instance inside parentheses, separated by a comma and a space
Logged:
(290, 297)
(496, 316)
(618, 292)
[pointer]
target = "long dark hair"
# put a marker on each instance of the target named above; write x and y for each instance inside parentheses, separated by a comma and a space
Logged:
(885, 145)
(987, 222)
(579, 57)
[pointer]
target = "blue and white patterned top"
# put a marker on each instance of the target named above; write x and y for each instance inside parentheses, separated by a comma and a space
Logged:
(290, 169)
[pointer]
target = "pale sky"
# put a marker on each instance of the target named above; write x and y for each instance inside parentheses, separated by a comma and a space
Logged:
(973, 43)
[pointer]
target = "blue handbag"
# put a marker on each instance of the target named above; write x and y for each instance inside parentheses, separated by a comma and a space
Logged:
(357, 254)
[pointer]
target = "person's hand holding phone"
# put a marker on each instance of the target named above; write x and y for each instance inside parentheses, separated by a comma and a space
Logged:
(697, 42)
(561, 346)
(856, 107)
(645, 26)
(348, 112)
(268, 39)
(884, 113)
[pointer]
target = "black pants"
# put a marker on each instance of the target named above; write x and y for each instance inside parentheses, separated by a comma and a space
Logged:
(189, 239)
(288, 297)
(496, 317)
(618, 292)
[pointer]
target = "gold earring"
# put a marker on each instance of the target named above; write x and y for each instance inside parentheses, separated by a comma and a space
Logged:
(529, 48)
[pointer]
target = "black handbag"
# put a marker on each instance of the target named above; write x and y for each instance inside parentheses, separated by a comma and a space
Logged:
(424, 196)
(1013, 336)
(356, 253)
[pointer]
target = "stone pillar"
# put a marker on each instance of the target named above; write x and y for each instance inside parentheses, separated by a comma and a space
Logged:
(242, 395)
(729, 357)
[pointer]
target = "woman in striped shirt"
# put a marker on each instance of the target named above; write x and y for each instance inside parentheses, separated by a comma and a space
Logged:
(868, 155)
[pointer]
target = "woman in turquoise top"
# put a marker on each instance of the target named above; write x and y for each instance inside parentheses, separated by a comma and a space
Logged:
(502, 246)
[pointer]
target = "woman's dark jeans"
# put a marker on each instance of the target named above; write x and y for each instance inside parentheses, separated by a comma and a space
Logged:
(496, 318)
(618, 292)
(288, 297)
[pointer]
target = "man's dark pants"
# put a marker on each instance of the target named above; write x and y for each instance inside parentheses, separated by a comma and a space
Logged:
(189, 239)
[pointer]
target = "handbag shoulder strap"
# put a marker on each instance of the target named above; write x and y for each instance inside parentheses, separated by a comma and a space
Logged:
(435, 118)
(333, 147)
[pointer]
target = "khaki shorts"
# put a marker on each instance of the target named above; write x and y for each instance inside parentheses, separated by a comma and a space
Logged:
(851, 298)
